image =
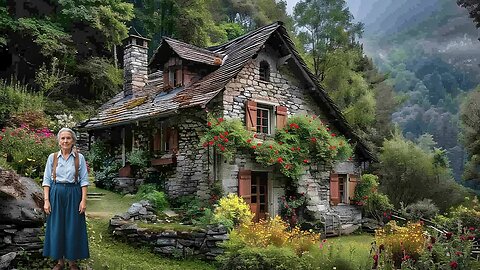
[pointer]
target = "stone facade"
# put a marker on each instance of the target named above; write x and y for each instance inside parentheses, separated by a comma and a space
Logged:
(282, 89)
(191, 173)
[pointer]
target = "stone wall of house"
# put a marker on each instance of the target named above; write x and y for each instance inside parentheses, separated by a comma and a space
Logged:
(199, 243)
(228, 173)
(191, 174)
(283, 89)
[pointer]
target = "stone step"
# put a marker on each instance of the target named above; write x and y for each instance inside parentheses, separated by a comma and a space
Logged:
(94, 199)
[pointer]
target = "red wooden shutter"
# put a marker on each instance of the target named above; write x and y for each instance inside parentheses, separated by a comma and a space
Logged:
(157, 141)
(179, 77)
(251, 115)
(281, 117)
(173, 140)
(245, 184)
(352, 184)
(334, 189)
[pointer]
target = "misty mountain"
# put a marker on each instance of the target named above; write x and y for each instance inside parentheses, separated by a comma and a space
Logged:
(430, 50)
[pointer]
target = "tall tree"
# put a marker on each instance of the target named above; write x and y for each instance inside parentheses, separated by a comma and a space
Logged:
(323, 27)
(470, 135)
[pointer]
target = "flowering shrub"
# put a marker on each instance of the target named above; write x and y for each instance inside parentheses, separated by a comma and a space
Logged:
(272, 232)
(290, 207)
(448, 251)
(398, 244)
(225, 136)
(467, 215)
(374, 203)
(62, 120)
(27, 150)
(232, 211)
(304, 140)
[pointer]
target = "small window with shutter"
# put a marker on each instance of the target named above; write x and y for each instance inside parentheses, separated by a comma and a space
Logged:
(264, 118)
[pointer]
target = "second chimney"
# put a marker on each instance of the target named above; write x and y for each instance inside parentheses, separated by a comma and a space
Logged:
(135, 61)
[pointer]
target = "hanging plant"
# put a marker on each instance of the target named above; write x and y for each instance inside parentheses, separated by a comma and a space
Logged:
(304, 141)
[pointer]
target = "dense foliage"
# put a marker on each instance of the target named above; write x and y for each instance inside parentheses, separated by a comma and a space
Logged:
(26, 150)
(410, 174)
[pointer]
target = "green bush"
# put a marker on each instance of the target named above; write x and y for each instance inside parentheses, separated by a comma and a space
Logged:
(374, 203)
(150, 193)
(421, 209)
(269, 258)
(97, 155)
(27, 150)
(106, 173)
(138, 158)
(15, 98)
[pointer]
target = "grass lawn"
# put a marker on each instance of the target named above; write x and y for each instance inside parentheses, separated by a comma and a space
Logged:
(107, 253)
(352, 248)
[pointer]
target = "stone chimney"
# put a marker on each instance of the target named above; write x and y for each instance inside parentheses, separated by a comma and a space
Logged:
(135, 61)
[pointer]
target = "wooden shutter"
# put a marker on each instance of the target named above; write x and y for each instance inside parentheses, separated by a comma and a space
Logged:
(166, 79)
(245, 185)
(251, 115)
(179, 77)
(281, 117)
(334, 189)
(352, 184)
(157, 141)
(173, 140)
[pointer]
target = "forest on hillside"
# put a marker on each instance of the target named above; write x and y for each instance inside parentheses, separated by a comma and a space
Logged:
(66, 54)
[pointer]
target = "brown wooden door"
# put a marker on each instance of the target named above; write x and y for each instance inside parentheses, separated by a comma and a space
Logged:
(259, 195)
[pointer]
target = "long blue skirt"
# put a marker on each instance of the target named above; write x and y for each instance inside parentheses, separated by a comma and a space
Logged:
(66, 232)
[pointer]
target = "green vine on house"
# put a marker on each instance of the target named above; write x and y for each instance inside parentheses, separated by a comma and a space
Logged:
(304, 141)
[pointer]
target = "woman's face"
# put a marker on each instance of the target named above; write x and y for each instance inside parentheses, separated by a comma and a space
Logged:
(66, 140)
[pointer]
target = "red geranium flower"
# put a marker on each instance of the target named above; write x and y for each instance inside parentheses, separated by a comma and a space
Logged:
(453, 264)
(220, 120)
(215, 138)
(280, 160)
(211, 142)
(448, 235)
(333, 134)
(209, 124)
(305, 161)
(313, 139)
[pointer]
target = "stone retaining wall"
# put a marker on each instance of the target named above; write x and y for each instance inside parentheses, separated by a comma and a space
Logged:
(198, 243)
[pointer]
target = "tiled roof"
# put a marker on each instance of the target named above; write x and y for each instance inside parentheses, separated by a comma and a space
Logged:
(186, 51)
(146, 104)
(152, 102)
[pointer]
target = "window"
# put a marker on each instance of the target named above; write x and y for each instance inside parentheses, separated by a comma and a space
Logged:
(342, 188)
(172, 77)
(165, 139)
(263, 120)
(264, 71)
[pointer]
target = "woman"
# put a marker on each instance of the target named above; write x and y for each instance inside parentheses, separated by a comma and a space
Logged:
(65, 185)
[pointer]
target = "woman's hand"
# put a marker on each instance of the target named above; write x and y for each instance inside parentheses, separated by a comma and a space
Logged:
(82, 207)
(46, 207)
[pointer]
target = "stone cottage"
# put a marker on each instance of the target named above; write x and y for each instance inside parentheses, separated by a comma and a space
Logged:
(259, 78)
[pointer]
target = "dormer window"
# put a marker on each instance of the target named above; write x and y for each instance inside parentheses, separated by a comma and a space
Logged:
(264, 71)
(172, 74)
